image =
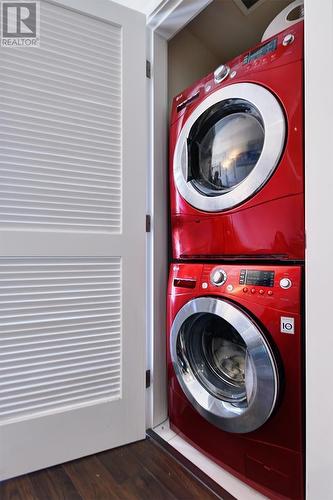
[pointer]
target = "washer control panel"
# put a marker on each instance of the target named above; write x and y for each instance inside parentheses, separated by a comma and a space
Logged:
(257, 277)
(272, 286)
(218, 276)
(277, 287)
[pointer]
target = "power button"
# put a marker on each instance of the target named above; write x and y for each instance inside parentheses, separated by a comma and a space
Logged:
(288, 40)
(285, 283)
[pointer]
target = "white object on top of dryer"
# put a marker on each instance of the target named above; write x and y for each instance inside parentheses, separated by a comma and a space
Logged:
(292, 14)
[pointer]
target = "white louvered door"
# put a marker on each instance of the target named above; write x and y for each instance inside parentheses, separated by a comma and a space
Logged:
(72, 236)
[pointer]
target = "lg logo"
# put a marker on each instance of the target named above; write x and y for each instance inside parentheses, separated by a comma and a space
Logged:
(287, 325)
(19, 24)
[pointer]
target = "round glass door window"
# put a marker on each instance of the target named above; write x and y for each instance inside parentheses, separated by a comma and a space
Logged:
(216, 354)
(229, 147)
(225, 154)
(224, 364)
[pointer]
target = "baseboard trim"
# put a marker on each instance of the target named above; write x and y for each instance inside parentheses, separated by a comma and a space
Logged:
(208, 482)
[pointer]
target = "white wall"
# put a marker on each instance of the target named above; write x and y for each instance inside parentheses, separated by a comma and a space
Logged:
(319, 254)
(188, 60)
(160, 229)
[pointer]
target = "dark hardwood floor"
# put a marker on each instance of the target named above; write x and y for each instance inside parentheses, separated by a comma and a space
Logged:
(142, 470)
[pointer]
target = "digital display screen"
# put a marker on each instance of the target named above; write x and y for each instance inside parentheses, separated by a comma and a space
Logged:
(261, 51)
(259, 278)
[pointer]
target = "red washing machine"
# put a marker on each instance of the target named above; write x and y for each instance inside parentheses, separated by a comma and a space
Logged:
(235, 370)
(236, 157)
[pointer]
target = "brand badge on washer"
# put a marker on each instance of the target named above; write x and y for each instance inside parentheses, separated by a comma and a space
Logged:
(287, 325)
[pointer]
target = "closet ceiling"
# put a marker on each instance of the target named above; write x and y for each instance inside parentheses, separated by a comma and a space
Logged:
(226, 31)
(145, 6)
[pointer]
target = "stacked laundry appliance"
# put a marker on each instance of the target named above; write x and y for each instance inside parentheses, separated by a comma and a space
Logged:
(235, 319)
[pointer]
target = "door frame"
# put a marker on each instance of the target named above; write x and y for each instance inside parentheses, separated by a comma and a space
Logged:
(162, 24)
(168, 18)
(319, 243)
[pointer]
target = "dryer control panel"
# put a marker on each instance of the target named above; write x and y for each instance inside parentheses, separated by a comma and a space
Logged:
(282, 49)
(261, 51)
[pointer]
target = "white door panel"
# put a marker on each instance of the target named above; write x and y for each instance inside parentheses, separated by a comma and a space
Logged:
(72, 236)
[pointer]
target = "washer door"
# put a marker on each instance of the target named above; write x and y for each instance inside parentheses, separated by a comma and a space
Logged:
(224, 364)
(229, 147)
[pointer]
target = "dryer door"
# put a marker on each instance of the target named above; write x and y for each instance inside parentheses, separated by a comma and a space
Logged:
(229, 147)
(224, 364)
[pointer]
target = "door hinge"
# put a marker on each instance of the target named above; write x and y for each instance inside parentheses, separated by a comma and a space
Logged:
(147, 379)
(148, 223)
(148, 69)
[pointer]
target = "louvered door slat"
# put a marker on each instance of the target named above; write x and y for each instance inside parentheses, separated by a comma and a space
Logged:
(25, 342)
(64, 108)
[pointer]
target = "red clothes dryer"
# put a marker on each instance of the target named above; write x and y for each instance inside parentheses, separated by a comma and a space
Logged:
(236, 157)
(235, 370)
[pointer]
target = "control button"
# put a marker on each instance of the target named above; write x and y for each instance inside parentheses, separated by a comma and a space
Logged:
(288, 40)
(253, 290)
(269, 292)
(221, 73)
(285, 283)
(261, 292)
(245, 289)
(233, 74)
(230, 288)
(204, 285)
(218, 277)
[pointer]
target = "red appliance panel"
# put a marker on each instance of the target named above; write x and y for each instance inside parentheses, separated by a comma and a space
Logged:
(274, 471)
(279, 204)
(270, 458)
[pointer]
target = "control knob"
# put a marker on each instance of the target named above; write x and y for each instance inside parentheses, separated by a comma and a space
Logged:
(221, 73)
(218, 277)
(285, 283)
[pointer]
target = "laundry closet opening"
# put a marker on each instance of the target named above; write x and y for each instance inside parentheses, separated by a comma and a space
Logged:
(251, 120)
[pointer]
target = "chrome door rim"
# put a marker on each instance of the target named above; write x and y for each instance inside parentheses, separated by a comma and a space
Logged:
(225, 415)
(275, 130)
